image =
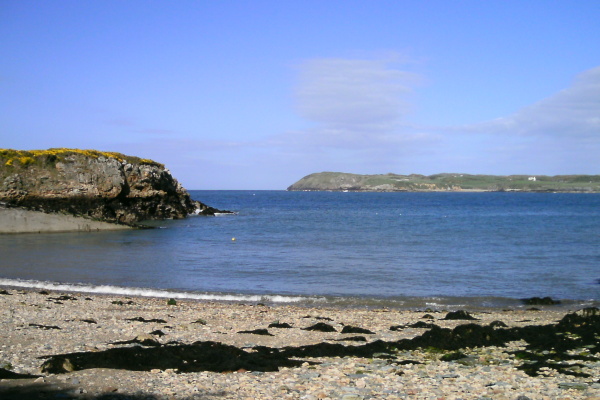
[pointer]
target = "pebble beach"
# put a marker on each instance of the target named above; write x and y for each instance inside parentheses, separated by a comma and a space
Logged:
(39, 324)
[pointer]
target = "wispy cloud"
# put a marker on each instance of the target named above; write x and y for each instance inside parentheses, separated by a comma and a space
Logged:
(352, 101)
(360, 109)
(572, 112)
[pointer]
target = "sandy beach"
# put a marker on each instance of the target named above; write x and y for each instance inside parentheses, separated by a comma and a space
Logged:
(38, 324)
(18, 220)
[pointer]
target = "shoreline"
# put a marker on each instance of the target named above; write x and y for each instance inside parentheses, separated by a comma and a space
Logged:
(403, 303)
(41, 323)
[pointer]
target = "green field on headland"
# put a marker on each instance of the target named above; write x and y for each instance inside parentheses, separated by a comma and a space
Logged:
(447, 182)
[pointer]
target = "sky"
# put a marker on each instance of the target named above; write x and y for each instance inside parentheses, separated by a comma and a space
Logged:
(257, 94)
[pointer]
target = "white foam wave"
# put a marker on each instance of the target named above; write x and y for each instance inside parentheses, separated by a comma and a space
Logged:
(143, 292)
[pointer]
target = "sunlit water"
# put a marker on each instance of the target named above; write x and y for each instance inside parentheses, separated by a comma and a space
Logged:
(391, 249)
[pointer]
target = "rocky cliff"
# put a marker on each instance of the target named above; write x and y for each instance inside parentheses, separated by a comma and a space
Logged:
(102, 186)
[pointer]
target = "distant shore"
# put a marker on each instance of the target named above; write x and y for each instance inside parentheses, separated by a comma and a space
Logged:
(18, 220)
(39, 327)
(346, 182)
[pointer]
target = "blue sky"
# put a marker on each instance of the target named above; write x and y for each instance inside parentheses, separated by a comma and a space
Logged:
(258, 94)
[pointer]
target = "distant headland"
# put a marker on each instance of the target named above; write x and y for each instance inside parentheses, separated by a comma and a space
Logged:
(72, 189)
(446, 182)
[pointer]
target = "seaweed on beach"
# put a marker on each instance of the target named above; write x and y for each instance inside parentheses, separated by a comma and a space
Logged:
(320, 327)
(554, 346)
(280, 325)
(540, 301)
(263, 332)
(6, 374)
(142, 319)
(460, 314)
(196, 357)
(356, 329)
(45, 327)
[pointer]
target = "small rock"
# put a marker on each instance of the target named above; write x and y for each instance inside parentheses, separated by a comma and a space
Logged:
(352, 396)
(361, 383)
(573, 385)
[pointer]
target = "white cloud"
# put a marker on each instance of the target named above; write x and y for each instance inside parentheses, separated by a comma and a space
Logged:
(572, 112)
(358, 109)
(352, 100)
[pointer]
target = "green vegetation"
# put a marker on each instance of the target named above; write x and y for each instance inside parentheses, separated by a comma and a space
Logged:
(24, 158)
(337, 181)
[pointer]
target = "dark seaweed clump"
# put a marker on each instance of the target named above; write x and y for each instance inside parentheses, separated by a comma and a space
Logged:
(573, 339)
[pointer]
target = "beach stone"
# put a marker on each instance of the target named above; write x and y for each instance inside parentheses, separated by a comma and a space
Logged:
(361, 383)
(573, 385)
(323, 366)
(352, 396)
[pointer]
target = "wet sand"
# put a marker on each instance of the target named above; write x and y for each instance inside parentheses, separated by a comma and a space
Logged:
(17, 220)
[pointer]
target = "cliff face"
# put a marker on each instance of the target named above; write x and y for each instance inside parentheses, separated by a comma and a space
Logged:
(103, 186)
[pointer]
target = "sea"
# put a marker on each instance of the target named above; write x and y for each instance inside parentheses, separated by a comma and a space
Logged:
(341, 249)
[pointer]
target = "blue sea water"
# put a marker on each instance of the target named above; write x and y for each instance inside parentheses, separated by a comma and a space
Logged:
(350, 249)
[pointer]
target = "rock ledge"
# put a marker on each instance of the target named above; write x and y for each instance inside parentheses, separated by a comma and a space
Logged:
(99, 186)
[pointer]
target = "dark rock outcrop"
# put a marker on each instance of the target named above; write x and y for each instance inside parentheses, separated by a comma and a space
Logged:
(101, 186)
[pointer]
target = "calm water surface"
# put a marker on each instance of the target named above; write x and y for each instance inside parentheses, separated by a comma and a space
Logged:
(347, 248)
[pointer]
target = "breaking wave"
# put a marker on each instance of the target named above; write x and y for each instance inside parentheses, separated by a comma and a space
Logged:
(159, 293)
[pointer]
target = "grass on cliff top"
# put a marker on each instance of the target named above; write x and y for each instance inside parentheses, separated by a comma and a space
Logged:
(447, 182)
(24, 158)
